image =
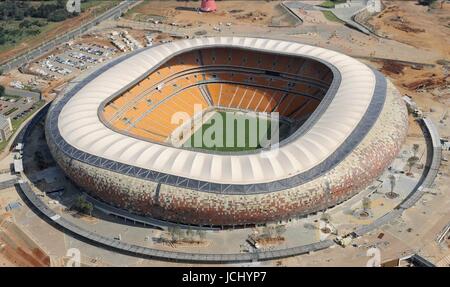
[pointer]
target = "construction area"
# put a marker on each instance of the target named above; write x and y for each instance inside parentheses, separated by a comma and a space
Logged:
(406, 42)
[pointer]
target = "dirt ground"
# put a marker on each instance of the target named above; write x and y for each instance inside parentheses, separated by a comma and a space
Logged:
(17, 248)
(408, 22)
(428, 30)
(429, 87)
(255, 12)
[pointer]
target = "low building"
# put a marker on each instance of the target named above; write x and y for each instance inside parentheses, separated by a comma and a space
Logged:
(18, 165)
(6, 128)
(19, 147)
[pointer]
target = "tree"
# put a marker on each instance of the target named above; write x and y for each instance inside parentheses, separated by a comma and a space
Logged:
(89, 208)
(39, 23)
(61, 3)
(19, 15)
(189, 234)
(201, 234)
(392, 181)
(411, 162)
(33, 31)
(280, 230)
(366, 203)
(267, 232)
(171, 232)
(2, 90)
(426, 2)
(325, 217)
(25, 24)
(415, 149)
(175, 232)
(82, 205)
(57, 16)
(183, 235)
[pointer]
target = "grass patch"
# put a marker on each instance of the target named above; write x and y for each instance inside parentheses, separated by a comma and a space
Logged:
(21, 37)
(3, 145)
(331, 3)
(331, 17)
(327, 4)
(100, 5)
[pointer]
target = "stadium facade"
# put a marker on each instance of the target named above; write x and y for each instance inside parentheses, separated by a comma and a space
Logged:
(110, 132)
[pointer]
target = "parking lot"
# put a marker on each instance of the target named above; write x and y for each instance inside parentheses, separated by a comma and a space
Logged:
(74, 58)
(16, 107)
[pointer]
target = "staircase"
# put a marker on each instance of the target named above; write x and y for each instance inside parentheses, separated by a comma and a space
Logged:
(206, 95)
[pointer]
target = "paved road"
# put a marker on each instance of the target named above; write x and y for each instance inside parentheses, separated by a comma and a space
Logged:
(115, 12)
(8, 183)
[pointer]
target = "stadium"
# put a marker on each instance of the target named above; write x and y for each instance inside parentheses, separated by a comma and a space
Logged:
(339, 123)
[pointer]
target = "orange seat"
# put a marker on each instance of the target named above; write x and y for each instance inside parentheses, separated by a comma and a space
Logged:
(207, 56)
(248, 98)
(306, 109)
(295, 66)
(258, 95)
(108, 112)
(271, 101)
(226, 95)
(290, 104)
(282, 63)
(146, 111)
(214, 91)
(225, 76)
(296, 104)
(237, 57)
(252, 61)
(267, 61)
(261, 80)
(220, 57)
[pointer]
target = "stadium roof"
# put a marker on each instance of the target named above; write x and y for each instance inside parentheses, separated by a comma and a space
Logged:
(330, 126)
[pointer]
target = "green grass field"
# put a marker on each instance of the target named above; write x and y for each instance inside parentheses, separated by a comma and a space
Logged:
(331, 17)
(231, 132)
(327, 4)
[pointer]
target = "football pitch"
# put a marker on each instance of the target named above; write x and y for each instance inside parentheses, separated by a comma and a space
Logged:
(234, 131)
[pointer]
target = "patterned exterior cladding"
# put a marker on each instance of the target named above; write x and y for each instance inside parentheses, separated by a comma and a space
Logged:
(356, 171)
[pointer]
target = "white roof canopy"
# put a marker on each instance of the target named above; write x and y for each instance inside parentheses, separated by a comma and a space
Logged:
(80, 126)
